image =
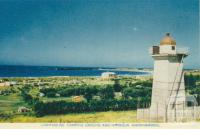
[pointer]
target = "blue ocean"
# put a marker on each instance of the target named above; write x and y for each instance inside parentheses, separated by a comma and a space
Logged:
(45, 71)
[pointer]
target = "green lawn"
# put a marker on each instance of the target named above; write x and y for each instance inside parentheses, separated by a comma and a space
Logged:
(10, 103)
(110, 116)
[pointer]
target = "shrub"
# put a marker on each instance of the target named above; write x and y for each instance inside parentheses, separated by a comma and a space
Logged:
(63, 107)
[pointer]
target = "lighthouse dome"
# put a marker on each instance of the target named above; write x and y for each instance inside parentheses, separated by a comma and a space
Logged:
(168, 40)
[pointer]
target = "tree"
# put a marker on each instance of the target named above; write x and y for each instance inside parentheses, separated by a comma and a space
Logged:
(107, 92)
(117, 86)
(51, 94)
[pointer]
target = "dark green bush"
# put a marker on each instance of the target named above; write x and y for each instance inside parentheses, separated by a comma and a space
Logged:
(63, 107)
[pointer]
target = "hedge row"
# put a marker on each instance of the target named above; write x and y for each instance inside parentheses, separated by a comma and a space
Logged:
(63, 107)
(87, 91)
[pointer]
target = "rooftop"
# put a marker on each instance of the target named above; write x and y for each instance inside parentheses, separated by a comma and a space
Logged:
(167, 40)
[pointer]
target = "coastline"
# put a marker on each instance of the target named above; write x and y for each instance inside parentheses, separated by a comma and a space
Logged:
(36, 72)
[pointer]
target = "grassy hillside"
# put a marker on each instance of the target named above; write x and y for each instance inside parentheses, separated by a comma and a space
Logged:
(110, 116)
(10, 103)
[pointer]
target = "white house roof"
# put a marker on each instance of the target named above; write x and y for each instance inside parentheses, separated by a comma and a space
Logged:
(108, 73)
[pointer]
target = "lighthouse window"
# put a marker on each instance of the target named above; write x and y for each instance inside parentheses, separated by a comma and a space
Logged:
(173, 47)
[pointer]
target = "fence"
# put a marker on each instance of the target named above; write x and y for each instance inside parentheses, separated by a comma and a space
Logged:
(179, 113)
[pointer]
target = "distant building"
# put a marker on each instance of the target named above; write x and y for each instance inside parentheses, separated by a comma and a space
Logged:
(13, 83)
(106, 75)
(5, 84)
(23, 109)
(2, 84)
(77, 98)
(96, 97)
(57, 95)
(73, 82)
(41, 94)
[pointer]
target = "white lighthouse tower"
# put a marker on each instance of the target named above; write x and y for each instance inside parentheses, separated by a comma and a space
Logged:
(168, 92)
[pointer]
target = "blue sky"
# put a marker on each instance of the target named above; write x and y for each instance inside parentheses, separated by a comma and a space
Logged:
(115, 33)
